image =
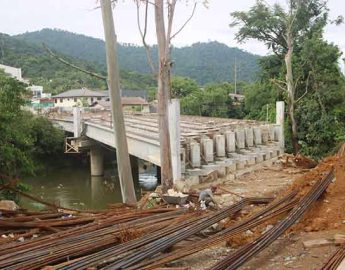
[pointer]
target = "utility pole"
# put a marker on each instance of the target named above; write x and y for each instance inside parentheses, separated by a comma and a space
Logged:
(235, 75)
(123, 162)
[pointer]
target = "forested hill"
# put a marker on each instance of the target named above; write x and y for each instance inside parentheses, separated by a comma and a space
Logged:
(54, 76)
(204, 62)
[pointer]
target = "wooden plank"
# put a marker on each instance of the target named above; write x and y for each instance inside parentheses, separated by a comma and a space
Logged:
(317, 243)
(339, 239)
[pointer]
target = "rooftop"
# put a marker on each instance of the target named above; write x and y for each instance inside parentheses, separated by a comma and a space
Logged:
(83, 92)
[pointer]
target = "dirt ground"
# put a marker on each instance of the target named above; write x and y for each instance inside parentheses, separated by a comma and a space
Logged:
(325, 218)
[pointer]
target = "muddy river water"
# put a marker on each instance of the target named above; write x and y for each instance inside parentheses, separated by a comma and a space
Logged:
(73, 187)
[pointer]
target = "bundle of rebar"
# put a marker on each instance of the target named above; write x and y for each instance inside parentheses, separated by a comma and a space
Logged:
(243, 254)
(85, 239)
(335, 259)
(167, 241)
(276, 208)
(134, 251)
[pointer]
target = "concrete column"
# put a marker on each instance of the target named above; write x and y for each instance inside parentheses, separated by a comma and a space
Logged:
(96, 188)
(265, 134)
(76, 121)
(175, 134)
(220, 145)
(183, 160)
(240, 137)
(135, 168)
(271, 132)
(159, 180)
(230, 141)
(280, 121)
(96, 161)
(195, 155)
(207, 149)
(249, 137)
(257, 135)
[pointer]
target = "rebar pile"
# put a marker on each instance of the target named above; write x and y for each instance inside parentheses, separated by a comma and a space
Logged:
(276, 208)
(243, 254)
(85, 239)
(132, 252)
(335, 260)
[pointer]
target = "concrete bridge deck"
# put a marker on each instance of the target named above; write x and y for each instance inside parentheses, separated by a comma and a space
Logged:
(204, 146)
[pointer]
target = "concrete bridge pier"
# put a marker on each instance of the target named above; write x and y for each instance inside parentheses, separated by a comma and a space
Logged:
(96, 161)
(96, 187)
(135, 168)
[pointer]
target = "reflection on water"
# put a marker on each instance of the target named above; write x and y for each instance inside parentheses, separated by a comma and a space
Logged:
(75, 188)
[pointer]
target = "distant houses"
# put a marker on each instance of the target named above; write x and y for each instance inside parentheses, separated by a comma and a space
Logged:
(79, 98)
(132, 100)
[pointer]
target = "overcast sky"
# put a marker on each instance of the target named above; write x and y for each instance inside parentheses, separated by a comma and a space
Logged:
(80, 16)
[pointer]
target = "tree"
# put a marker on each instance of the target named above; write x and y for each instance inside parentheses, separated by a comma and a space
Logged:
(282, 31)
(15, 143)
(213, 101)
(183, 86)
(25, 139)
(320, 112)
(164, 34)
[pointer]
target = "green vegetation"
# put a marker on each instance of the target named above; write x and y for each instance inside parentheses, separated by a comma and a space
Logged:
(56, 77)
(26, 140)
(211, 62)
(213, 100)
(317, 94)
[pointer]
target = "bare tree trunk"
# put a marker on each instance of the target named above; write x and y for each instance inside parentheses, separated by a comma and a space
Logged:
(291, 93)
(163, 96)
(123, 162)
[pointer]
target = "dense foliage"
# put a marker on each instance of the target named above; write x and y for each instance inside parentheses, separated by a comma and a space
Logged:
(26, 140)
(54, 76)
(319, 84)
(204, 62)
(212, 100)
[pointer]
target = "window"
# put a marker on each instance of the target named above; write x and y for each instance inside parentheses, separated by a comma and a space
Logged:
(75, 99)
(99, 98)
(91, 99)
(61, 100)
(55, 100)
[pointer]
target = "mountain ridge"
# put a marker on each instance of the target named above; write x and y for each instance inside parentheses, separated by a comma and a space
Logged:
(210, 62)
(42, 69)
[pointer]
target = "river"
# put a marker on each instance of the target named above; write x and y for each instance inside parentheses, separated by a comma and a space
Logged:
(73, 187)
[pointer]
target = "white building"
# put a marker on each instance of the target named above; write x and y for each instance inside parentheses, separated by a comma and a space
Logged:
(13, 72)
(36, 90)
(79, 98)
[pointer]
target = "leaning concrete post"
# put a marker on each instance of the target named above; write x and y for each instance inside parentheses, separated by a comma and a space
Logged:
(175, 134)
(280, 121)
(113, 80)
(76, 122)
